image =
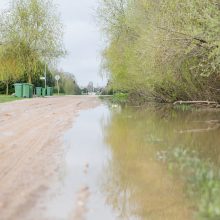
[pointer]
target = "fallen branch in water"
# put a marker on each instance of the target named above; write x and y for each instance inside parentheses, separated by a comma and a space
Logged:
(209, 122)
(200, 130)
(196, 102)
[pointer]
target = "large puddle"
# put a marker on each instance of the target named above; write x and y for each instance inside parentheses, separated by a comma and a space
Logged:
(113, 170)
(78, 195)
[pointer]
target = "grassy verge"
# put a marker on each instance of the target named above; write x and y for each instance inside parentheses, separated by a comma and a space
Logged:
(61, 94)
(5, 98)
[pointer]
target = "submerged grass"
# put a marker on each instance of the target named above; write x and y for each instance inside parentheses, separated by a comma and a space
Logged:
(183, 107)
(202, 180)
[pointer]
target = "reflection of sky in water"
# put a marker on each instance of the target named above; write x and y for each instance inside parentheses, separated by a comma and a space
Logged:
(84, 146)
(125, 179)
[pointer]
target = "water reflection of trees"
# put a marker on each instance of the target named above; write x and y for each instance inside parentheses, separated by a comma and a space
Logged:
(136, 184)
(165, 127)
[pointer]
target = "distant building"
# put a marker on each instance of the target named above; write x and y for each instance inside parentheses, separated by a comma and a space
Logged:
(90, 87)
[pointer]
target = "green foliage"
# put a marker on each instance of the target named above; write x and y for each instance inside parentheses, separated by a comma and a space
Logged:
(108, 90)
(23, 78)
(202, 179)
(163, 50)
(121, 98)
(10, 68)
(67, 84)
(32, 29)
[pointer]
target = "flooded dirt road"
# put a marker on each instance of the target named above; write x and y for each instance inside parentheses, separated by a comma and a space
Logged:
(107, 163)
(95, 184)
(31, 149)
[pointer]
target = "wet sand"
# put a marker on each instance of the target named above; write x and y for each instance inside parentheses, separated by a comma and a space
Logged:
(31, 148)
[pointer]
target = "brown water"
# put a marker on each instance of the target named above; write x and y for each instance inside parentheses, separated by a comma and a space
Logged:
(112, 171)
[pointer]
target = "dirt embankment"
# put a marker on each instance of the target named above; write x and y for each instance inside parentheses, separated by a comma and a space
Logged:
(30, 148)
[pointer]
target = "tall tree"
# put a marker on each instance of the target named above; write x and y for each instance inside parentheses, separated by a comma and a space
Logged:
(34, 28)
(67, 83)
(163, 50)
(10, 68)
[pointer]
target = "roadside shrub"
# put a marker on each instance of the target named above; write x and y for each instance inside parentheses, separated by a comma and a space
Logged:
(120, 98)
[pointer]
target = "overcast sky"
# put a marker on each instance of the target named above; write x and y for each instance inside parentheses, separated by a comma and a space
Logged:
(82, 39)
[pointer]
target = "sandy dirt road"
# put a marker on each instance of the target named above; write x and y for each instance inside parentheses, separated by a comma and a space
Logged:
(31, 148)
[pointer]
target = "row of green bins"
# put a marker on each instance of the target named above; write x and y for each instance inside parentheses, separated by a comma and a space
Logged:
(38, 91)
(43, 92)
(23, 90)
(18, 90)
(49, 91)
(27, 90)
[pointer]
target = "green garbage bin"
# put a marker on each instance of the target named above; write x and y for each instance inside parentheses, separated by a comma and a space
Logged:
(43, 92)
(31, 90)
(49, 91)
(27, 90)
(18, 90)
(38, 91)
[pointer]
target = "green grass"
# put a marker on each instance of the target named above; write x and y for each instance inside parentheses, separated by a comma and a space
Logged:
(183, 107)
(5, 98)
(202, 180)
(61, 94)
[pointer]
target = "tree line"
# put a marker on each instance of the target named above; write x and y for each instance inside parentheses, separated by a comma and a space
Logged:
(162, 50)
(67, 84)
(31, 37)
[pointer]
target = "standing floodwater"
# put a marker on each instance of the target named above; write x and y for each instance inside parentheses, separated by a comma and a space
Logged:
(161, 163)
(118, 165)
(78, 194)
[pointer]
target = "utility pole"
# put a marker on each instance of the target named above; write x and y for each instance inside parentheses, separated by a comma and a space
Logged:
(57, 77)
(45, 75)
(58, 88)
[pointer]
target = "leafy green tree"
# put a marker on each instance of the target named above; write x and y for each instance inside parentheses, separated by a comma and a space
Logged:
(163, 50)
(67, 83)
(9, 66)
(35, 30)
